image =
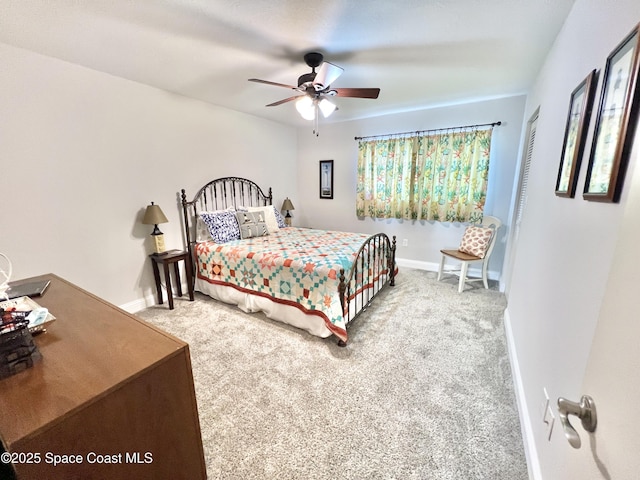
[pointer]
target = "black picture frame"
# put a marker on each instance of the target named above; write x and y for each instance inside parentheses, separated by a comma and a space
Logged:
(326, 179)
(575, 135)
(615, 123)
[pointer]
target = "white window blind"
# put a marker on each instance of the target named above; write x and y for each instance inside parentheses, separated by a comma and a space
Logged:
(524, 180)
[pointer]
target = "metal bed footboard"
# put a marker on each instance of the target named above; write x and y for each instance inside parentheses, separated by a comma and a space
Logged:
(374, 267)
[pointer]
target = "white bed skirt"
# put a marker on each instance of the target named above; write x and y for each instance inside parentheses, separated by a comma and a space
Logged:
(314, 324)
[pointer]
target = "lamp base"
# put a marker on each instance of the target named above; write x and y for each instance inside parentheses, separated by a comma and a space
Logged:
(158, 244)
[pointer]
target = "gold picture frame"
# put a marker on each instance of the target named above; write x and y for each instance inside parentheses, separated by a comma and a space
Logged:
(615, 123)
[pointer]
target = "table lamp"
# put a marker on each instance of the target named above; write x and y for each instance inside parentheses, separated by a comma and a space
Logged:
(287, 205)
(153, 216)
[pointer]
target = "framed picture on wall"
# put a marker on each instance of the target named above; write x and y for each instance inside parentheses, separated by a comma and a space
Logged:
(615, 123)
(575, 134)
(326, 179)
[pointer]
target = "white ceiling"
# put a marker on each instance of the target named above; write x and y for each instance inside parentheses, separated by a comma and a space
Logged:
(420, 53)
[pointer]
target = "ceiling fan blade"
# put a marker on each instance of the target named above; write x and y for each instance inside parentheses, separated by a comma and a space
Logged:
(327, 74)
(280, 102)
(257, 80)
(357, 92)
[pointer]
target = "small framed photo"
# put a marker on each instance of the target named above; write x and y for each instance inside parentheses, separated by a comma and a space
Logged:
(615, 123)
(575, 134)
(326, 179)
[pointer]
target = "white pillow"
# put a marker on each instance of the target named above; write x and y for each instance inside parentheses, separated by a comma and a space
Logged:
(269, 217)
(202, 231)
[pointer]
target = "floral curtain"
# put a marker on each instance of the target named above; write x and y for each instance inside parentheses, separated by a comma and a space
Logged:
(440, 177)
(383, 181)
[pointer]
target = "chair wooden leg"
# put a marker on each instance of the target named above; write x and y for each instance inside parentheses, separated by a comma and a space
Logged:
(441, 268)
(463, 276)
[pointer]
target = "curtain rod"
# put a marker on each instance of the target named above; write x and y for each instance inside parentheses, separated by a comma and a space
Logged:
(494, 124)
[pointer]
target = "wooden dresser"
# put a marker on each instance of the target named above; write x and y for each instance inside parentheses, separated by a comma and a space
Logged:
(112, 394)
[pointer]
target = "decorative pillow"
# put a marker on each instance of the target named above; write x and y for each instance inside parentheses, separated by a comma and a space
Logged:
(223, 225)
(252, 224)
(202, 229)
(279, 218)
(269, 216)
(476, 240)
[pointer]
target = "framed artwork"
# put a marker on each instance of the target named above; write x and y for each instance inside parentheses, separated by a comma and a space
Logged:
(326, 179)
(615, 123)
(575, 134)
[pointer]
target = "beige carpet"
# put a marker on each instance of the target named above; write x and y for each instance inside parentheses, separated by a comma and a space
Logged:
(422, 391)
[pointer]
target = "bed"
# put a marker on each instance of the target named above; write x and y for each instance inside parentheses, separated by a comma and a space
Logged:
(316, 280)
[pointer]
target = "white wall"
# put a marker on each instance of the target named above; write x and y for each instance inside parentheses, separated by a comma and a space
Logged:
(95, 149)
(425, 239)
(82, 153)
(564, 255)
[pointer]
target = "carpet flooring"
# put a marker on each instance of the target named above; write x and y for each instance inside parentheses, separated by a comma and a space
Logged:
(422, 391)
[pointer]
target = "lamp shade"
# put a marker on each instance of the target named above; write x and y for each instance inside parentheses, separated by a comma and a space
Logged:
(306, 108)
(287, 205)
(154, 215)
(326, 107)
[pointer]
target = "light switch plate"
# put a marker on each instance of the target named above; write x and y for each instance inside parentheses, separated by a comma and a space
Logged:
(544, 405)
(549, 419)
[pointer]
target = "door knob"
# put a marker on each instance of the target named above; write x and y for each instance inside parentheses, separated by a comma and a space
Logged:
(585, 411)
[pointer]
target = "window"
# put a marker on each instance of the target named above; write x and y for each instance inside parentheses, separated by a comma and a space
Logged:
(440, 177)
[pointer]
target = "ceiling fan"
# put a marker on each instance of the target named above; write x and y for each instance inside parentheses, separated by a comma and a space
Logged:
(315, 87)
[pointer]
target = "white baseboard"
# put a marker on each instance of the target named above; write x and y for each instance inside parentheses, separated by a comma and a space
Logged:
(148, 301)
(418, 265)
(531, 453)
(434, 267)
(140, 304)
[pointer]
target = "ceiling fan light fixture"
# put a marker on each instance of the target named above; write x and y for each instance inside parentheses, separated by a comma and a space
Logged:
(316, 86)
(326, 107)
(306, 107)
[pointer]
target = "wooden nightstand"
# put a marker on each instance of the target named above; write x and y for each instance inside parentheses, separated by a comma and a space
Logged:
(172, 257)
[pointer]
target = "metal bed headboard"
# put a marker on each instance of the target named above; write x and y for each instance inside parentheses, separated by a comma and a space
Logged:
(220, 194)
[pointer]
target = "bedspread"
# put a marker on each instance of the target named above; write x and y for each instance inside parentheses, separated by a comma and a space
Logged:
(294, 266)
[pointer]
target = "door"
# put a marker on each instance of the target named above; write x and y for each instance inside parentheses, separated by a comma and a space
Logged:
(612, 376)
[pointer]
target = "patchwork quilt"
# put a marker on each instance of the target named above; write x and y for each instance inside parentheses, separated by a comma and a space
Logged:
(294, 266)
